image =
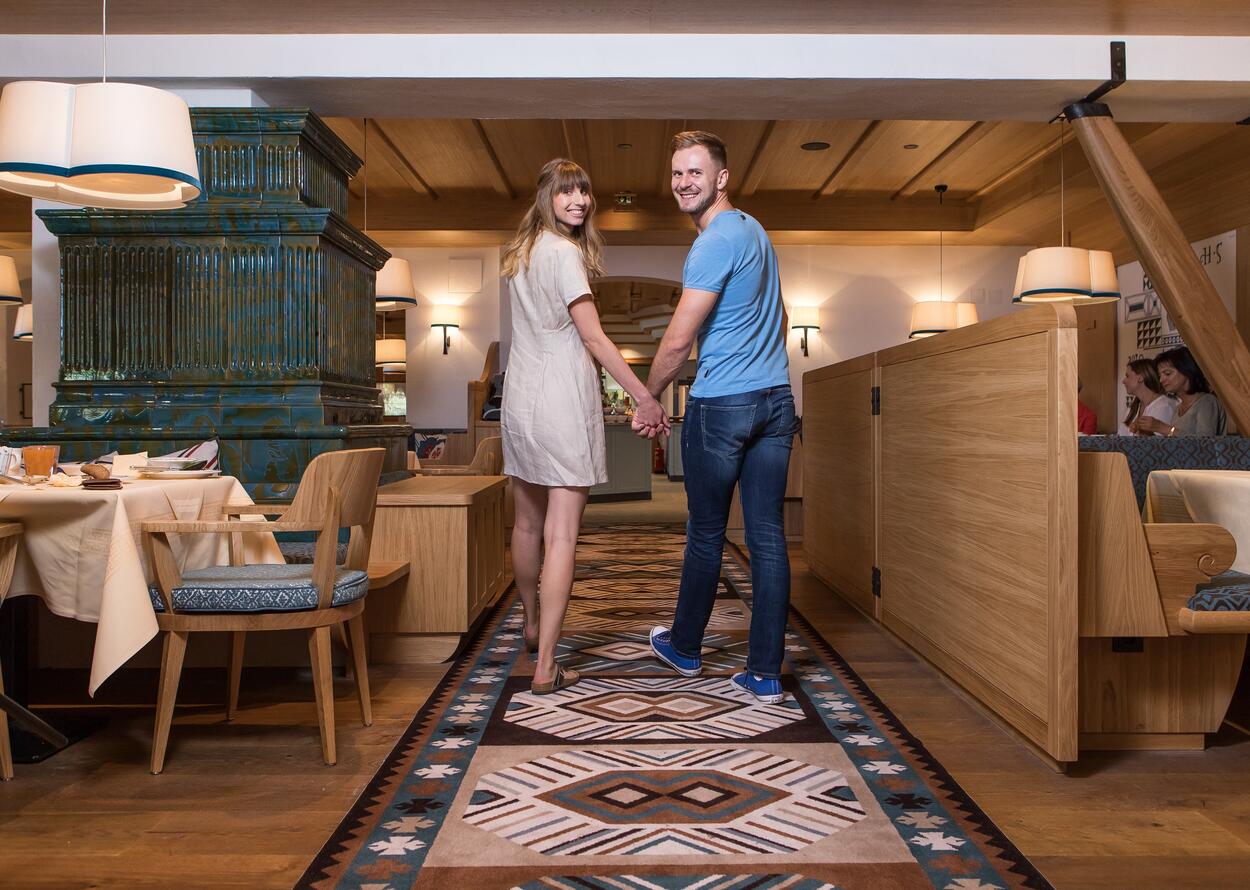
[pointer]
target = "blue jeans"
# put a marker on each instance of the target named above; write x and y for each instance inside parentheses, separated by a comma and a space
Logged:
(741, 440)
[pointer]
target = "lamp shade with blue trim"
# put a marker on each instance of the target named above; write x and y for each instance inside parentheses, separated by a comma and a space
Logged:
(1104, 284)
(391, 354)
(24, 324)
(1053, 275)
(930, 317)
(10, 283)
(110, 145)
(394, 287)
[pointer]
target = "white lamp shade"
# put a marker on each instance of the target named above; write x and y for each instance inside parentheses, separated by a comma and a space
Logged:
(394, 288)
(931, 317)
(1015, 290)
(24, 324)
(1104, 284)
(965, 314)
(112, 145)
(10, 284)
(805, 317)
(391, 354)
(448, 315)
(1055, 275)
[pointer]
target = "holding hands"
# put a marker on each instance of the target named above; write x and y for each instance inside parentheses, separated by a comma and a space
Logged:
(649, 419)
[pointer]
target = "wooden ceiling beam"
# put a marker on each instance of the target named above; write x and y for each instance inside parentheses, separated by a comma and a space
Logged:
(775, 211)
(759, 162)
(500, 180)
(830, 185)
(385, 146)
(673, 127)
(953, 152)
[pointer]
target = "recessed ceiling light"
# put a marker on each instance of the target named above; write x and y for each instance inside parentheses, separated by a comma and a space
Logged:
(624, 146)
(814, 146)
(910, 146)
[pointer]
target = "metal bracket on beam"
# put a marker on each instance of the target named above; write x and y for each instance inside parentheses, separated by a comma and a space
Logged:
(1245, 122)
(1119, 74)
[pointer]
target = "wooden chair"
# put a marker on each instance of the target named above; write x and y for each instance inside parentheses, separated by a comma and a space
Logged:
(487, 461)
(338, 490)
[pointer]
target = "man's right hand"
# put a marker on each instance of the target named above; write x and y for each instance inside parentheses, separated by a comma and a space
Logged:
(650, 419)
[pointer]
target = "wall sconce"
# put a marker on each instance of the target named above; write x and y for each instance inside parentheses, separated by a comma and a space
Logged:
(446, 317)
(24, 324)
(804, 318)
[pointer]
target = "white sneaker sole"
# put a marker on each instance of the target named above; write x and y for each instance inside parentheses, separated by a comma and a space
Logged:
(762, 699)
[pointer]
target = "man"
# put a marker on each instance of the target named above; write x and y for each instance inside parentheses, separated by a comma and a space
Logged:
(739, 420)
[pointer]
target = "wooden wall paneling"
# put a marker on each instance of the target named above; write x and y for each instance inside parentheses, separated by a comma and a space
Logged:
(1118, 594)
(1175, 685)
(1096, 362)
(978, 514)
(1243, 283)
(1182, 284)
(838, 478)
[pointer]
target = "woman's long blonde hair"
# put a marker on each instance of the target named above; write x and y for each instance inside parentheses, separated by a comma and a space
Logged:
(557, 176)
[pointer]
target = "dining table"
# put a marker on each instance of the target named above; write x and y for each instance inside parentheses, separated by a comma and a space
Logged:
(82, 552)
(1220, 497)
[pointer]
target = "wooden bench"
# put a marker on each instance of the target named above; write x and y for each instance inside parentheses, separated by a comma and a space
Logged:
(1155, 672)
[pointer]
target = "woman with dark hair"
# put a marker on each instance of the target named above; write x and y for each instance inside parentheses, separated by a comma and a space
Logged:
(1146, 398)
(1199, 412)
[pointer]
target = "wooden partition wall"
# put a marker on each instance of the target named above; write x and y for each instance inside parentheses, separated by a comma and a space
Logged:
(961, 492)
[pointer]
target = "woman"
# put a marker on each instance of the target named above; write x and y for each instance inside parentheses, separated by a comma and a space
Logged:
(1146, 398)
(1199, 412)
(552, 421)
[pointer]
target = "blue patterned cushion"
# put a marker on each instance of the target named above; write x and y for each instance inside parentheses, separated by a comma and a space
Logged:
(1229, 592)
(1148, 453)
(262, 588)
(301, 552)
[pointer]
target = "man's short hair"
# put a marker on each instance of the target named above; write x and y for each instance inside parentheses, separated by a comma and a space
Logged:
(714, 144)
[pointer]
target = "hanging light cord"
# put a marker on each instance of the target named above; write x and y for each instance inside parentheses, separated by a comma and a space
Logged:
(104, 37)
(1063, 228)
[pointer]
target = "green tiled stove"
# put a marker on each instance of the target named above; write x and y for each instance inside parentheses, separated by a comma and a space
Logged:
(246, 316)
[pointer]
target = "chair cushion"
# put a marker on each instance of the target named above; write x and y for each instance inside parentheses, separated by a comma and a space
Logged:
(301, 552)
(1229, 592)
(261, 588)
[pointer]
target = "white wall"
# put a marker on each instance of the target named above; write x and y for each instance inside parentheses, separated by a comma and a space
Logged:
(865, 294)
(436, 382)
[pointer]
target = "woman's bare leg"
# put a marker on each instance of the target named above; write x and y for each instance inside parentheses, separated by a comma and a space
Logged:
(527, 542)
(564, 521)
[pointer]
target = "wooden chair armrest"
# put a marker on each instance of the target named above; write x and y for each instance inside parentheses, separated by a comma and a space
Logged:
(195, 526)
(1183, 556)
(255, 509)
(384, 574)
(1214, 622)
(448, 470)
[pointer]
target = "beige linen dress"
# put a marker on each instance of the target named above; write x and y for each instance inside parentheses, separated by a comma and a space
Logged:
(552, 418)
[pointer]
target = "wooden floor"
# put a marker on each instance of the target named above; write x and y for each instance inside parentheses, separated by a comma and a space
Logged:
(248, 804)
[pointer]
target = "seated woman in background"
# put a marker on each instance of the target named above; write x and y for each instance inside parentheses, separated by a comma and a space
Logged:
(1146, 398)
(1199, 412)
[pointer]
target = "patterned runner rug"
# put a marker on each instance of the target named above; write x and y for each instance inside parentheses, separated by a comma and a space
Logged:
(638, 779)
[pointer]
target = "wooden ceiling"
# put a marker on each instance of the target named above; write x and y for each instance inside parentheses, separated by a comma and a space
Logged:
(1124, 17)
(462, 182)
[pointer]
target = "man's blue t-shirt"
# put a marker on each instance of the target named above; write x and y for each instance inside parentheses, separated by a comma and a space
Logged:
(742, 346)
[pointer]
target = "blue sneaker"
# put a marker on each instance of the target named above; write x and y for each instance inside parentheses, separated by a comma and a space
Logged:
(767, 690)
(662, 646)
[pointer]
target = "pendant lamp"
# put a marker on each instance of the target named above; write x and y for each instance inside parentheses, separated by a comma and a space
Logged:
(10, 284)
(390, 353)
(930, 317)
(110, 145)
(1065, 274)
(24, 324)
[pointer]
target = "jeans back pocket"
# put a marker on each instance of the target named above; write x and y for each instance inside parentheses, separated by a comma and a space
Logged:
(726, 428)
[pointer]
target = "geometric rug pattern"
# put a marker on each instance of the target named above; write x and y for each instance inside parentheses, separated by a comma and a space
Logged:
(638, 779)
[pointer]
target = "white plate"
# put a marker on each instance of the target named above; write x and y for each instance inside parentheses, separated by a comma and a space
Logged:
(145, 473)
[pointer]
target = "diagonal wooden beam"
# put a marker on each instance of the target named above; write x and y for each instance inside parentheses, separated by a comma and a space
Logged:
(577, 145)
(758, 164)
(957, 149)
(385, 147)
(1182, 284)
(500, 180)
(830, 185)
(671, 129)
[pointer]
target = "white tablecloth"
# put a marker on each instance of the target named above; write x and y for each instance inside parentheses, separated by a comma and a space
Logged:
(1221, 497)
(82, 553)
